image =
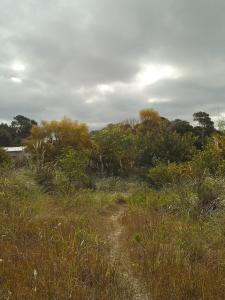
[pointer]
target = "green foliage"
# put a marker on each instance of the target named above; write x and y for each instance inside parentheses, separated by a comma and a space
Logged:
(169, 174)
(181, 126)
(210, 196)
(204, 121)
(5, 138)
(167, 200)
(211, 160)
(22, 127)
(73, 167)
(13, 134)
(18, 195)
(205, 128)
(165, 144)
(44, 174)
(115, 151)
(5, 159)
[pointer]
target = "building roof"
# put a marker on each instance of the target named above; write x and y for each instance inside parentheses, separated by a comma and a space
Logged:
(14, 149)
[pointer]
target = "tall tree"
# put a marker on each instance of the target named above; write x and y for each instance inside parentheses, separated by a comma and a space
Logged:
(22, 127)
(5, 137)
(205, 127)
(181, 126)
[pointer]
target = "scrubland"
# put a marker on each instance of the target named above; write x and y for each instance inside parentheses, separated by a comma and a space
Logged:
(57, 247)
(135, 210)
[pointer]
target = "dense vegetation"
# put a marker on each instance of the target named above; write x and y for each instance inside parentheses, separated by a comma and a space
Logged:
(13, 134)
(135, 209)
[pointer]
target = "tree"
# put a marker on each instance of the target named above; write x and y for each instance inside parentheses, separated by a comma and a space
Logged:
(150, 118)
(5, 138)
(204, 120)
(115, 150)
(181, 126)
(49, 140)
(204, 129)
(74, 165)
(22, 127)
(163, 144)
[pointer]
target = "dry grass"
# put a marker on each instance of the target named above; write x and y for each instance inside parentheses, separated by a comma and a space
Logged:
(51, 251)
(177, 258)
(54, 247)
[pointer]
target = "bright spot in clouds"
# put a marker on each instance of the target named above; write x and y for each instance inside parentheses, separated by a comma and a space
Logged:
(18, 67)
(105, 88)
(159, 100)
(16, 79)
(150, 74)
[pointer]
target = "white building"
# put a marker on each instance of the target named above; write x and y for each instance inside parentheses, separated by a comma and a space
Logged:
(16, 152)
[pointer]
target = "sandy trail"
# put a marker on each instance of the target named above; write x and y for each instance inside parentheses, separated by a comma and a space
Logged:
(118, 254)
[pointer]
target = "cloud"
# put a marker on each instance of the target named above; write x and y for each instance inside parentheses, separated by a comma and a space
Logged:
(101, 61)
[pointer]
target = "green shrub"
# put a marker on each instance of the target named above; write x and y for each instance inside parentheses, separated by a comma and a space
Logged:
(73, 167)
(5, 159)
(18, 195)
(169, 174)
(204, 164)
(210, 195)
(44, 174)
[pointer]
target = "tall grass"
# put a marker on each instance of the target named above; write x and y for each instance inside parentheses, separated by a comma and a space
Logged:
(176, 254)
(55, 246)
(51, 250)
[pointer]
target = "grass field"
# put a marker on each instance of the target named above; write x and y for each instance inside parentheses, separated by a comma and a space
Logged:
(121, 241)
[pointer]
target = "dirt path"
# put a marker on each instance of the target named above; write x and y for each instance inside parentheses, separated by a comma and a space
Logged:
(119, 255)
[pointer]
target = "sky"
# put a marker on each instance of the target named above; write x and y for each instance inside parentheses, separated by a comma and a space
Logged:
(102, 61)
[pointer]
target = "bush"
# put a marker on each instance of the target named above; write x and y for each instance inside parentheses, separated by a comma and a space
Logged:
(44, 175)
(5, 159)
(73, 167)
(210, 195)
(169, 174)
(204, 164)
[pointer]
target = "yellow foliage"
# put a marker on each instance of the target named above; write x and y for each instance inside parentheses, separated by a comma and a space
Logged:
(150, 116)
(49, 138)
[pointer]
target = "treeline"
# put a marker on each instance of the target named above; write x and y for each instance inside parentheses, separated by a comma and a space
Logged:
(12, 134)
(123, 149)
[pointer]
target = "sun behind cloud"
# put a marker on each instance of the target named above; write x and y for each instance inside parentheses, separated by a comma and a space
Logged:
(150, 74)
(18, 67)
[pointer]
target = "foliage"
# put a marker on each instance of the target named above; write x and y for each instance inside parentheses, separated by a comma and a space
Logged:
(13, 134)
(44, 174)
(5, 137)
(204, 121)
(5, 159)
(169, 174)
(115, 151)
(211, 160)
(205, 128)
(210, 196)
(164, 145)
(181, 126)
(50, 139)
(150, 118)
(73, 166)
(22, 127)
(171, 236)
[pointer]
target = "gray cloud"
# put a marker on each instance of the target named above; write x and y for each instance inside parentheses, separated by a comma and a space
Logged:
(82, 58)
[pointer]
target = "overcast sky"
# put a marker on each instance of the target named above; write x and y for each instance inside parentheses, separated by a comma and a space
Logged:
(101, 61)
